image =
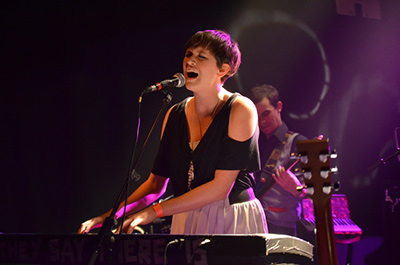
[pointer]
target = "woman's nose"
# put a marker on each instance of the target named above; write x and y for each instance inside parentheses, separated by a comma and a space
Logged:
(191, 61)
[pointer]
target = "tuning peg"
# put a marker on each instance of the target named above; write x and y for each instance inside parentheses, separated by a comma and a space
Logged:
(300, 188)
(324, 173)
(304, 159)
(310, 190)
(297, 171)
(327, 189)
(333, 154)
(323, 157)
(336, 186)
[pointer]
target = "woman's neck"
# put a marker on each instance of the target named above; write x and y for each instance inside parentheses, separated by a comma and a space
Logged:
(206, 102)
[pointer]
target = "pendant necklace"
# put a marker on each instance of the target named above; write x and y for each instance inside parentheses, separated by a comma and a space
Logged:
(193, 145)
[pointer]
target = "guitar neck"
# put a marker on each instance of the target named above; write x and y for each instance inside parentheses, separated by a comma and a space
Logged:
(325, 235)
(267, 181)
(291, 164)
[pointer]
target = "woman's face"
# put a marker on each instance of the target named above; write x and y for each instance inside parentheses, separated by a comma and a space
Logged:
(200, 68)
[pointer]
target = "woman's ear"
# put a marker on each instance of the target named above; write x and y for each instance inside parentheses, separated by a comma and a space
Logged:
(224, 69)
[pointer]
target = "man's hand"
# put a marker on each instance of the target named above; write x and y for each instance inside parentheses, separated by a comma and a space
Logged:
(287, 180)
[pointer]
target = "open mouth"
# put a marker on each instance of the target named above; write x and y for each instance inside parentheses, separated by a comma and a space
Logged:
(192, 74)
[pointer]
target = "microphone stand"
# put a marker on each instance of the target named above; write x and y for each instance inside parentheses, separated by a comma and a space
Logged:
(110, 221)
(383, 161)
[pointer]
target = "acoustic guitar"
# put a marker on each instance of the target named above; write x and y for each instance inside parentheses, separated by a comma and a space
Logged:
(315, 158)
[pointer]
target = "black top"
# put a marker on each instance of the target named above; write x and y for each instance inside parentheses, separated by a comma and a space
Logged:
(215, 151)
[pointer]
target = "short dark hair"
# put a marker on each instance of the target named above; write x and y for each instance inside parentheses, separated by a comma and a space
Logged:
(265, 91)
(221, 45)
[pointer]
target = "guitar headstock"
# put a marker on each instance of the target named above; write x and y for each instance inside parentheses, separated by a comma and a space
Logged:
(315, 156)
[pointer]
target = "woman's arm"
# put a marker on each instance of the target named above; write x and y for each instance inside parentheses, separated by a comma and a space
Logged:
(147, 193)
(212, 191)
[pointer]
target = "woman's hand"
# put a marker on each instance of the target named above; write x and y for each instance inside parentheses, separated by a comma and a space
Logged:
(143, 217)
(91, 224)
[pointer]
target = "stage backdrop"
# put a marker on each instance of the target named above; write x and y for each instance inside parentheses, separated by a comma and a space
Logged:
(72, 74)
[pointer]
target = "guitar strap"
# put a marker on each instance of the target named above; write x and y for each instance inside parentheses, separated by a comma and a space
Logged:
(279, 156)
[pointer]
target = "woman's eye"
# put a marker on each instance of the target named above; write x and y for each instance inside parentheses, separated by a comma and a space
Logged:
(202, 57)
(188, 54)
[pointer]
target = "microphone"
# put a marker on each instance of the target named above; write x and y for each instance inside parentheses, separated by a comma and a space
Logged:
(178, 80)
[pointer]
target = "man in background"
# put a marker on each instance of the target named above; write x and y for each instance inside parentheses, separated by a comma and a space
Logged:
(276, 185)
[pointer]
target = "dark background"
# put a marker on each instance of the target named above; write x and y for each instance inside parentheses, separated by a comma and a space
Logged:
(71, 75)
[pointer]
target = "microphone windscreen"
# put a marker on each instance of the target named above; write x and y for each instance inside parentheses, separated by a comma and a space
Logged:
(181, 79)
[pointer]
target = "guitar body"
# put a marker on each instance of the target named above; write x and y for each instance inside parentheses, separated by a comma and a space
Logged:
(264, 183)
(315, 163)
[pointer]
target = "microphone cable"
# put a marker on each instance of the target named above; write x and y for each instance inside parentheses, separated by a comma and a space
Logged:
(132, 172)
(181, 240)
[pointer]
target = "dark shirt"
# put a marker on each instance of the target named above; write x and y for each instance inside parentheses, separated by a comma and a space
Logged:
(280, 206)
(215, 151)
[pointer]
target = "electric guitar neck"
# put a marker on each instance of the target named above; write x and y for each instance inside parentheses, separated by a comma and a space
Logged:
(266, 180)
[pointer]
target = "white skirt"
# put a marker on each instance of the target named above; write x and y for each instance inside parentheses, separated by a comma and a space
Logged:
(222, 218)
